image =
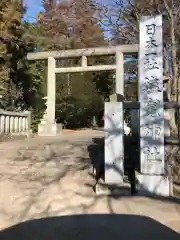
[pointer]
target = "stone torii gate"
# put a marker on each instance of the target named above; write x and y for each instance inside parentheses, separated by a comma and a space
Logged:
(50, 128)
(113, 126)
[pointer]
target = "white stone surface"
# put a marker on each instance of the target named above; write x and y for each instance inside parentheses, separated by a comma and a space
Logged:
(114, 151)
(7, 124)
(151, 95)
(12, 124)
(158, 185)
(20, 124)
(2, 123)
(16, 126)
(51, 90)
(47, 130)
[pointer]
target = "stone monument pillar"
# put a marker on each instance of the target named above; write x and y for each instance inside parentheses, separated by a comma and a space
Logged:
(152, 178)
(114, 149)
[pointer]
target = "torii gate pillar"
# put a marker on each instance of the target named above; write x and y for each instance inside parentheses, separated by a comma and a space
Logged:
(48, 127)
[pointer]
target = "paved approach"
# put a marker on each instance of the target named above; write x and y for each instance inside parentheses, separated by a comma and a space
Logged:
(45, 177)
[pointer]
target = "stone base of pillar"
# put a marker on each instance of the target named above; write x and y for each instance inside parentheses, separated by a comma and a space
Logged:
(47, 129)
(153, 185)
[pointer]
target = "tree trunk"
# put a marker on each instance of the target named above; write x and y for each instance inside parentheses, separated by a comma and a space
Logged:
(174, 90)
(174, 63)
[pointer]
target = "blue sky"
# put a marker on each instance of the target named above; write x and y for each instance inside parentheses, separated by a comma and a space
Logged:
(34, 6)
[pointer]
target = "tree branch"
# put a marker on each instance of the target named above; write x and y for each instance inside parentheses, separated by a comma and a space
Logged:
(177, 13)
(169, 11)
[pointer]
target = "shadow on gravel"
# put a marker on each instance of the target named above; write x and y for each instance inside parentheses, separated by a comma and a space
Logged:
(10, 137)
(96, 154)
(97, 226)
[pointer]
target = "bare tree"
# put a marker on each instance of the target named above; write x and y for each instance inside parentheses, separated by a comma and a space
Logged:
(122, 19)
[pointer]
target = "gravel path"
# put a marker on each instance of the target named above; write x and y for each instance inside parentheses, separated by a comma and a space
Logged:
(46, 177)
